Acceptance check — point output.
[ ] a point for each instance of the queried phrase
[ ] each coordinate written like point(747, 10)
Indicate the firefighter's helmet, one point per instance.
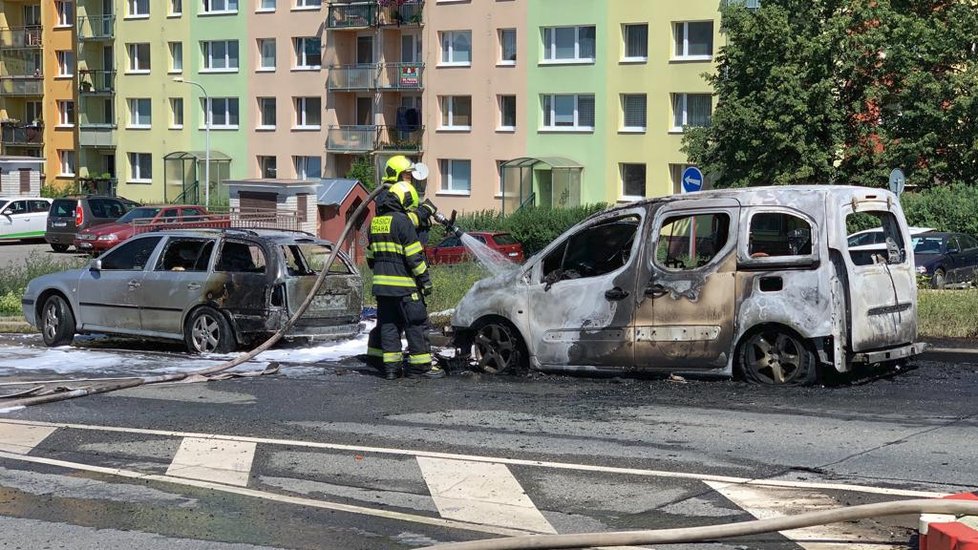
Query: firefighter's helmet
point(396, 166)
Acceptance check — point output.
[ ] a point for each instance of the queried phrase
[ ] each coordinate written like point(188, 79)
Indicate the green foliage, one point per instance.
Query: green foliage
point(363, 169)
point(14, 278)
point(833, 91)
point(10, 303)
point(451, 282)
point(947, 313)
point(55, 191)
point(943, 208)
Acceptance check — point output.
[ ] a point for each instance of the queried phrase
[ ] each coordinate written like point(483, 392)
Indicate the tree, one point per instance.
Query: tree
point(363, 169)
point(842, 91)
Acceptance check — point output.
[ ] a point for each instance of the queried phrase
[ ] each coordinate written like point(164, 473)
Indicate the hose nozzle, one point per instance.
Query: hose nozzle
point(449, 223)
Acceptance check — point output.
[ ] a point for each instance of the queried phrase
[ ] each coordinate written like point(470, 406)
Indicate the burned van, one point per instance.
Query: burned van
point(757, 281)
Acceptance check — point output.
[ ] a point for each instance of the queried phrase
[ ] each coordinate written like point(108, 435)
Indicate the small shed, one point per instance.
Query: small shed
point(21, 176)
point(338, 199)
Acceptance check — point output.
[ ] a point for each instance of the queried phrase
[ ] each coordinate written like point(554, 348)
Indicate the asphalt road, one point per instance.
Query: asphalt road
point(14, 252)
point(326, 455)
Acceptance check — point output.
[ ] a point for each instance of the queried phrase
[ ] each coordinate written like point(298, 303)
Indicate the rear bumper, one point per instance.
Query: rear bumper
point(325, 332)
point(59, 238)
point(889, 354)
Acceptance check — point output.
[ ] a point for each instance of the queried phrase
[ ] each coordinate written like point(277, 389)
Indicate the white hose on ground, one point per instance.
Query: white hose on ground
point(230, 364)
point(715, 532)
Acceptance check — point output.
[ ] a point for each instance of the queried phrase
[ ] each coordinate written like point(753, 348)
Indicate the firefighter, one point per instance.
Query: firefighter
point(401, 279)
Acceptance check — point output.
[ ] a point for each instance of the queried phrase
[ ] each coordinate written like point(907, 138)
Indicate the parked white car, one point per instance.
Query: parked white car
point(23, 217)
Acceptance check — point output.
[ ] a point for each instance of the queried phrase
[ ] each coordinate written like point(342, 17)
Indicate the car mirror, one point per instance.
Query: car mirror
point(95, 265)
point(8, 212)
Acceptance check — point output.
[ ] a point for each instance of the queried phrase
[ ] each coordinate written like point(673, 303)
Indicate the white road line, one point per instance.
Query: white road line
point(769, 502)
point(22, 438)
point(244, 491)
point(509, 461)
point(479, 492)
point(223, 461)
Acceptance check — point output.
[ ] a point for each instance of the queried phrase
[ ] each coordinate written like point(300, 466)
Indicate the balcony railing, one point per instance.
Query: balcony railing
point(22, 135)
point(357, 15)
point(393, 138)
point(20, 37)
point(96, 82)
point(91, 134)
point(22, 85)
point(401, 76)
point(351, 139)
point(96, 27)
point(408, 15)
point(352, 77)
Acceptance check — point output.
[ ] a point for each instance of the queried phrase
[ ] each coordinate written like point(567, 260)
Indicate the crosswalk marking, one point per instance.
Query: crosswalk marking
point(22, 438)
point(219, 460)
point(768, 502)
point(480, 492)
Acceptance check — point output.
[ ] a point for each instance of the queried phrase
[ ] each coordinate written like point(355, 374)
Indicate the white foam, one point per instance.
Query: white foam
point(11, 409)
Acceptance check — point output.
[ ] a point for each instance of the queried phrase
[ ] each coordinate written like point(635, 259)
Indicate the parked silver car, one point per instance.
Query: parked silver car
point(214, 289)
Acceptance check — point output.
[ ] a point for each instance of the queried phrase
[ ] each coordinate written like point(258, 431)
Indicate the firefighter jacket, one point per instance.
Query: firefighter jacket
point(395, 254)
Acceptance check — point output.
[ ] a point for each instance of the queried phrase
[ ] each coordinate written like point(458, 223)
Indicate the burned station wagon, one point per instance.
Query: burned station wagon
point(756, 281)
point(214, 289)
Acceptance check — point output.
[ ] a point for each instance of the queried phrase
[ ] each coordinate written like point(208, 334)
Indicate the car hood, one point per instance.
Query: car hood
point(489, 296)
point(106, 228)
point(50, 280)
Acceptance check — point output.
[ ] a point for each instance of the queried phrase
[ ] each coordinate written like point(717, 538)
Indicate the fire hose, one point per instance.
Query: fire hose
point(714, 532)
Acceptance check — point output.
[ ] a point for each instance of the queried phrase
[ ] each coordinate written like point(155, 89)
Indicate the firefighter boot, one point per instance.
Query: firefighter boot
point(431, 372)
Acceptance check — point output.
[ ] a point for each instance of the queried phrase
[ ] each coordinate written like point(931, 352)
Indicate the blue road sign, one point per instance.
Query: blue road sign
point(692, 180)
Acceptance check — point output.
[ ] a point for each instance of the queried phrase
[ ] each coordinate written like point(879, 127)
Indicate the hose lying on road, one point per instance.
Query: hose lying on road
point(240, 359)
point(714, 532)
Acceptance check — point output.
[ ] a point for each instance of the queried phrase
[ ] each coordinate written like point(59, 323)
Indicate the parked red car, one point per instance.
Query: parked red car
point(451, 251)
point(141, 219)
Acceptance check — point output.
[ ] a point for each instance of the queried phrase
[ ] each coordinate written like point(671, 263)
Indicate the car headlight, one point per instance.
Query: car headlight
point(109, 237)
point(922, 270)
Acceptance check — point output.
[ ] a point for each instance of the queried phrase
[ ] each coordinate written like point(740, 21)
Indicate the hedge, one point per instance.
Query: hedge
point(953, 208)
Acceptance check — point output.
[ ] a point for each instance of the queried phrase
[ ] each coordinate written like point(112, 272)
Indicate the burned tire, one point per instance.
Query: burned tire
point(59, 247)
point(498, 348)
point(776, 356)
point(939, 280)
point(208, 331)
point(57, 322)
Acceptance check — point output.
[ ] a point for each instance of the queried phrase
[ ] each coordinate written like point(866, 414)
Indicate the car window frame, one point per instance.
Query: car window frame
point(150, 260)
point(157, 268)
point(802, 261)
point(265, 255)
point(536, 273)
point(666, 214)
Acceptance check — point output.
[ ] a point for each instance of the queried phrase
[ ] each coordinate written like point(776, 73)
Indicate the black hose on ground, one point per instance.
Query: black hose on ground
point(240, 359)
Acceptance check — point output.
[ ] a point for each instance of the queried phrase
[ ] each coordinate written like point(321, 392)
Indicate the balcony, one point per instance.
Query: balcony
point(22, 85)
point(20, 37)
point(359, 15)
point(96, 27)
point(401, 76)
point(408, 15)
point(96, 82)
point(405, 140)
point(351, 139)
point(351, 77)
point(92, 134)
point(22, 136)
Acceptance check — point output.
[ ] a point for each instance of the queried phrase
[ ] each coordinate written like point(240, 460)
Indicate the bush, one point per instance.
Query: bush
point(451, 282)
point(14, 279)
point(944, 208)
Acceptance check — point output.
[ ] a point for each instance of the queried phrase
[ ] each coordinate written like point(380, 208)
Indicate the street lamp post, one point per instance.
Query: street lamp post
point(207, 139)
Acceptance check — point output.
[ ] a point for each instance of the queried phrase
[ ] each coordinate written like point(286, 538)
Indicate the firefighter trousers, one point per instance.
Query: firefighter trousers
point(407, 315)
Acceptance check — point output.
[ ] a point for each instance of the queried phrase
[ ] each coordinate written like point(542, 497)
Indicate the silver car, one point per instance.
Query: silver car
point(213, 289)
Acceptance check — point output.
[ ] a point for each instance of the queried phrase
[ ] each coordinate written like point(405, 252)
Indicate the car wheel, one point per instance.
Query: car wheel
point(498, 348)
point(59, 247)
point(939, 279)
point(57, 322)
point(208, 331)
point(775, 356)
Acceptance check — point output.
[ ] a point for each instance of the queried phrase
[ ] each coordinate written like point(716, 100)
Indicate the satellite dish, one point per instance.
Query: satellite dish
point(419, 171)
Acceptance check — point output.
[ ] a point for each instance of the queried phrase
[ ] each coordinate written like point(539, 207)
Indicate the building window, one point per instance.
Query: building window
point(220, 55)
point(140, 167)
point(267, 167)
point(694, 40)
point(66, 113)
point(66, 63)
point(633, 108)
point(266, 113)
point(220, 6)
point(176, 112)
point(568, 44)
point(307, 115)
point(138, 8)
point(67, 159)
point(308, 168)
point(176, 57)
point(456, 48)
point(507, 112)
point(266, 54)
point(66, 14)
point(138, 58)
point(456, 176)
point(568, 112)
point(507, 46)
point(266, 5)
point(632, 181)
point(308, 4)
point(223, 112)
point(636, 38)
point(176, 7)
point(456, 112)
point(140, 113)
point(691, 110)
point(308, 53)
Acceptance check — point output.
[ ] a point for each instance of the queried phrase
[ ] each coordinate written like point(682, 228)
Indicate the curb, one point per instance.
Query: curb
point(948, 532)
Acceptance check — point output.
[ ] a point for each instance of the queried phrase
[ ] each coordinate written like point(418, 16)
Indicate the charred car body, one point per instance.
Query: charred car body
point(758, 281)
point(214, 289)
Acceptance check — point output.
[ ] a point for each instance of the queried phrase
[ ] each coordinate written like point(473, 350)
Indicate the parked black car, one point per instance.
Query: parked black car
point(69, 215)
point(947, 258)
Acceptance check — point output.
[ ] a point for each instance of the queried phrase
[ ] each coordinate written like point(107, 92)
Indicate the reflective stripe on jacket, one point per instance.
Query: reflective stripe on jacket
point(396, 256)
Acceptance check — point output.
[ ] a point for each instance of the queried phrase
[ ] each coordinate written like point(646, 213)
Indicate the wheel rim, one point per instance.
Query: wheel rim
point(205, 333)
point(774, 358)
point(495, 349)
point(939, 279)
point(52, 319)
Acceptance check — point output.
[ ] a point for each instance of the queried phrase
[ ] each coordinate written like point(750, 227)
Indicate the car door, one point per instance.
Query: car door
point(39, 215)
point(685, 317)
point(580, 297)
point(953, 260)
point(108, 296)
point(969, 253)
point(177, 282)
point(242, 282)
point(17, 221)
